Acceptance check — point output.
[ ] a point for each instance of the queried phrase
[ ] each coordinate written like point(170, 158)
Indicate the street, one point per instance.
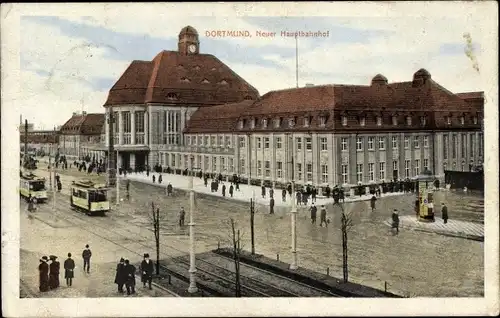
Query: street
point(412, 263)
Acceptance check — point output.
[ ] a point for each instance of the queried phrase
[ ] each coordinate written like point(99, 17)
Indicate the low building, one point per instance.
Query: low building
point(81, 135)
point(45, 141)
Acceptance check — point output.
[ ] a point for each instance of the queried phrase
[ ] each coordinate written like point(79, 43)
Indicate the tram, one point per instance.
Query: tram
point(33, 185)
point(89, 197)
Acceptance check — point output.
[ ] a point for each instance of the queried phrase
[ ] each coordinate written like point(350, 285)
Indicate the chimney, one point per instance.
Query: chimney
point(84, 113)
point(309, 85)
point(74, 114)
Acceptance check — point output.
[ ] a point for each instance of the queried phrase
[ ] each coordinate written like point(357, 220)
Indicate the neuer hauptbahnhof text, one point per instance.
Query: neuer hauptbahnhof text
point(265, 34)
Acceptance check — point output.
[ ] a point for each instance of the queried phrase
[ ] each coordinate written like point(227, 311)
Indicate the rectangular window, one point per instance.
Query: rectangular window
point(266, 142)
point(370, 143)
point(259, 143)
point(395, 167)
point(394, 142)
point(299, 171)
point(205, 141)
point(481, 145)
point(407, 142)
point(324, 173)
point(279, 143)
point(381, 143)
point(362, 121)
point(426, 164)
point(472, 145)
point(212, 141)
point(308, 143)
point(371, 172)
point(343, 143)
point(223, 164)
point(323, 143)
point(345, 179)
point(359, 143)
point(464, 145)
point(309, 168)
point(416, 142)
point(381, 171)
point(242, 142)
point(344, 120)
point(139, 122)
point(188, 140)
point(322, 121)
point(454, 146)
point(299, 143)
point(279, 169)
point(407, 168)
point(426, 141)
point(242, 166)
point(259, 168)
point(417, 167)
point(173, 161)
point(214, 164)
point(359, 172)
point(445, 146)
point(267, 166)
point(408, 120)
point(228, 141)
point(231, 165)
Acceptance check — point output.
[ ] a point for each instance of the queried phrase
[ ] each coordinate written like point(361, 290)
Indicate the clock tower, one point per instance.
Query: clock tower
point(189, 42)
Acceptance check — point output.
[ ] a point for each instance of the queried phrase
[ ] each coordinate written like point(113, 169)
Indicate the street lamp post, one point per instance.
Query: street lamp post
point(192, 256)
point(293, 213)
point(117, 181)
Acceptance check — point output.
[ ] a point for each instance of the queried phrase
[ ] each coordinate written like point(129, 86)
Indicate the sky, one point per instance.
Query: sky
point(69, 59)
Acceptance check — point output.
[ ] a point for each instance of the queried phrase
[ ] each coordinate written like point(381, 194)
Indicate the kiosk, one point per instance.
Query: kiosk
point(425, 205)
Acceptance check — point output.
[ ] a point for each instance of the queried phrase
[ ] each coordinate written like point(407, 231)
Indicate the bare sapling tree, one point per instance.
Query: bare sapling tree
point(346, 225)
point(156, 219)
point(237, 248)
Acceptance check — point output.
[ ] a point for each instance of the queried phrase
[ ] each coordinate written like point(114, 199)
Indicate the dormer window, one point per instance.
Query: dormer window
point(252, 123)
point(408, 120)
point(474, 120)
point(291, 122)
point(205, 81)
point(277, 122)
point(362, 121)
point(394, 120)
point(462, 120)
point(185, 80)
point(223, 82)
point(264, 123)
point(171, 96)
point(379, 121)
point(196, 68)
point(241, 124)
point(322, 121)
point(423, 121)
point(214, 69)
point(306, 122)
point(448, 120)
point(344, 120)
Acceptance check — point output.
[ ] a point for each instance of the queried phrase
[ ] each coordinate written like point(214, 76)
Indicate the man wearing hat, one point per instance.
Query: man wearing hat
point(54, 268)
point(395, 220)
point(69, 267)
point(130, 277)
point(86, 255)
point(147, 269)
point(120, 276)
point(43, 269)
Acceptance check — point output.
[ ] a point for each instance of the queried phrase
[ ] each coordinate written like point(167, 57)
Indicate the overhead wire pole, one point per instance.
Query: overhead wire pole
point(117, 182)
point(192, 253)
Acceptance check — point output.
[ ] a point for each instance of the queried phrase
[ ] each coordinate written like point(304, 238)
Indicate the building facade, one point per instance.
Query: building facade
point(45, 141)
point(80, 136)
point(153, 100)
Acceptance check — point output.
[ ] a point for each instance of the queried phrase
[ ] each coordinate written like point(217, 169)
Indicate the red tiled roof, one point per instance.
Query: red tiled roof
point(470, 95)
point(41, 136)
point(223, 117)
point(200, 79)
point(84, 124)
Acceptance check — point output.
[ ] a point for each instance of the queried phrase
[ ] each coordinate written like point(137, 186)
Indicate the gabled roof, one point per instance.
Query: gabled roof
point(200, 79)
point(84, 124)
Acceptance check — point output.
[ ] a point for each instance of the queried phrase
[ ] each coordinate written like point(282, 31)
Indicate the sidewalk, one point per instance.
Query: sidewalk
point(39, 238)
point(468, 230)
point(245, 194)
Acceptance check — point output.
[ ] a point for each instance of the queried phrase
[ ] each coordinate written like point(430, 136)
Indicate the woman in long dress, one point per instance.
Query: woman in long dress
point(43, 270)
point(54, 268)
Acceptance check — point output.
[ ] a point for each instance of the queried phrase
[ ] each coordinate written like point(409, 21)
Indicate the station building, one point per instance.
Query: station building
point(187, 110)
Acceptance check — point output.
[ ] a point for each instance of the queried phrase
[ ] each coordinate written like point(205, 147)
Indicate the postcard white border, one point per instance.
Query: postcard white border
point(82, 307)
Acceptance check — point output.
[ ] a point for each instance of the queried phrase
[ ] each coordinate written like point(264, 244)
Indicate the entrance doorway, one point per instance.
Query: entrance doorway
point(140, 161)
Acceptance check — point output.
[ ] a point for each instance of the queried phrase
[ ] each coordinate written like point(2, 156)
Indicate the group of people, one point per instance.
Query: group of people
point(125, 274)
point(323, 218)
point(49, 273)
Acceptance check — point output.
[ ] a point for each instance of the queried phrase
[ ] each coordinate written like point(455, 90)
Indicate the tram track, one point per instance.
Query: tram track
point(257, 288)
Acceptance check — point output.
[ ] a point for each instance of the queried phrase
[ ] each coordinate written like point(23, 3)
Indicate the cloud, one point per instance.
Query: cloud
point(66, 57)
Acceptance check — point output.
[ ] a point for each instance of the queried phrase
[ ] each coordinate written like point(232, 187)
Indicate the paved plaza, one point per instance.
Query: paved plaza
point(407, 262)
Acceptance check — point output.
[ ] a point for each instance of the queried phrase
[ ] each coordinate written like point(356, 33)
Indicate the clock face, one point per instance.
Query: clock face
point(192, 48)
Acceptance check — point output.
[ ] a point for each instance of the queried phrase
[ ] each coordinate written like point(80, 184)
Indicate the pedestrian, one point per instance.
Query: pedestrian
point(304, 198)
point(299, 198)
point(323, 216)
point(69, 267)
point(444, 213)
point(147, 269)
point(59, 186)
point(395, 221)
point(43, 270)
point(314, 192)
point(31, 204)
point(120, 275)
point(263, 191)
point(182, 215)
point(327, 191)
point(130, 277)
point(417, 207)
point(313, 210)
point(372, 202)
point(54, 270)
point(205, 180)
point(289, 188)
point(271, 193)
point(154, 178)
point(231, 190)
point(223, 190)
point(271, 206)
point(283, 195)
point(160, 178)
point(86, 255)
point(169, 189)
point(238, 184)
